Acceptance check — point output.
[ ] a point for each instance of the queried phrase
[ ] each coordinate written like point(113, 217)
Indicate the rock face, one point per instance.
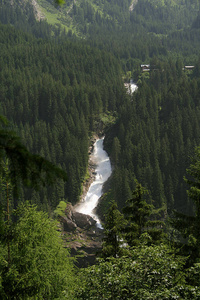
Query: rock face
point(34, 3)
point(83, 221)
point(133, 4)
point(68, 225)
point(82, 236)
point(37, 11)
point(73, 220)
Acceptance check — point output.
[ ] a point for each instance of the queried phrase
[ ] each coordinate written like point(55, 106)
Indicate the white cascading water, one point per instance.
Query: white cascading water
point(131, 87)
point(103, 172)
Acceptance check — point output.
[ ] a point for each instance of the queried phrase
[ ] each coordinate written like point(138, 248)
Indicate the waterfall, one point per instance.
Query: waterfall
point(131, 87)
point(103, 172)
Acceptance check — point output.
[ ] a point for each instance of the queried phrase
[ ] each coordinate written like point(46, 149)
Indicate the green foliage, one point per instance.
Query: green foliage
point(145, 127)
point(193, 274)
point(140, 219)
point(60, 2)
point(108, 119)
point(56, 92)
point(157, 132)
point(65, 88)
point(189, 225)
point(40, 267)
point(23, 167)
point(60, 209)
point(136, 212)
point(148, 273)
point(113, 240)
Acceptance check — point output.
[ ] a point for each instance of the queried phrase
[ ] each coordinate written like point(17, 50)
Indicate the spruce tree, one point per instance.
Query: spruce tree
point(141, 217)
point(189, 225)
point(113, 240)
point(38, 266)
point(29, 169)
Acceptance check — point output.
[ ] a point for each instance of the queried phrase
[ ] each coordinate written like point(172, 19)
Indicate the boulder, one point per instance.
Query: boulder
point(68, 225)
point(68, 211)
point(83, 221)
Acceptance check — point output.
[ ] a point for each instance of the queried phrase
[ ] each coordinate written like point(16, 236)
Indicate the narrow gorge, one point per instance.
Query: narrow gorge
point(103, 171)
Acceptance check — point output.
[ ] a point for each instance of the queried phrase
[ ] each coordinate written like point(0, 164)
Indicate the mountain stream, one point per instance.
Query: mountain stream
point(103, 171)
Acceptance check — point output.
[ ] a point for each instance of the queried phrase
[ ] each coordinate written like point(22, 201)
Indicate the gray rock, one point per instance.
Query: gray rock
point(83, 221)
point(68, 211)
point(68, 225)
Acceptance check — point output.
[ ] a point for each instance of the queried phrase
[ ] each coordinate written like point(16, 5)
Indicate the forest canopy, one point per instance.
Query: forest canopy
point(59, 85)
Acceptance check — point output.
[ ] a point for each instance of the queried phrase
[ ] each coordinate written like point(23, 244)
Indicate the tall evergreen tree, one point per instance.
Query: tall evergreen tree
point(189, 225)
point(38, 266)
point(141, 217)
point(30, 169)
point(113, 240)
point(136, 212)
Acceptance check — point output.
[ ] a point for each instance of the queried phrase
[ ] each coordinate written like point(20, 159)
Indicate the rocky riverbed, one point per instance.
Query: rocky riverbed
point(81, 235)
point(79, 231)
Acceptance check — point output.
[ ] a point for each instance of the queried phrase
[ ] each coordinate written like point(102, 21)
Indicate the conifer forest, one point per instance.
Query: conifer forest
point(64, 70)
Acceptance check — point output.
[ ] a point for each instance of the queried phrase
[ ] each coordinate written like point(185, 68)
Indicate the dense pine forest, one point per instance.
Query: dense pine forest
point(54, 94)
point(62, 82)
point(155, 136)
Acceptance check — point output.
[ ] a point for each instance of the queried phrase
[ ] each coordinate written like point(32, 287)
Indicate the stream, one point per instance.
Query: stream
point(103, 171)
point(131, 87)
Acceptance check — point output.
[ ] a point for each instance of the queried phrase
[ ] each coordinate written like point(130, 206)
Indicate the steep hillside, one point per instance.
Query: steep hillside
point(83, 77)
point(74, 15)
point(54, 94)
point(79, 15)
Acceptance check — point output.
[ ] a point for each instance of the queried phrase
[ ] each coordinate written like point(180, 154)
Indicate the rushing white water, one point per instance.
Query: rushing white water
point(103, 172)
point(131, 87)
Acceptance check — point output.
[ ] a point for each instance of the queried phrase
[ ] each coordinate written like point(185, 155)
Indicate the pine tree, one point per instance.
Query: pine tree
point(38, 265)
point(113, 240)
point(116, 148)
point(189, 225)
point(136, 212)
point(33, 262)
point(141, 217)
point(24, 167)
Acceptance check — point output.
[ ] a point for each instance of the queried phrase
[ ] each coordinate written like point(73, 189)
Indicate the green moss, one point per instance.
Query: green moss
point(108, 118)
point(60, 209)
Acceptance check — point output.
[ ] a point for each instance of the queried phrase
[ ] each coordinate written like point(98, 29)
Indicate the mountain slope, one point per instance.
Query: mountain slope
point(91, 17)
point(76, 14)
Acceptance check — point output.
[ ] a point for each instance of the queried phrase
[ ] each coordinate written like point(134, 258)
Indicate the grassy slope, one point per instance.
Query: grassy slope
point(63, 17)
point(60, 15)
point(55, 15)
